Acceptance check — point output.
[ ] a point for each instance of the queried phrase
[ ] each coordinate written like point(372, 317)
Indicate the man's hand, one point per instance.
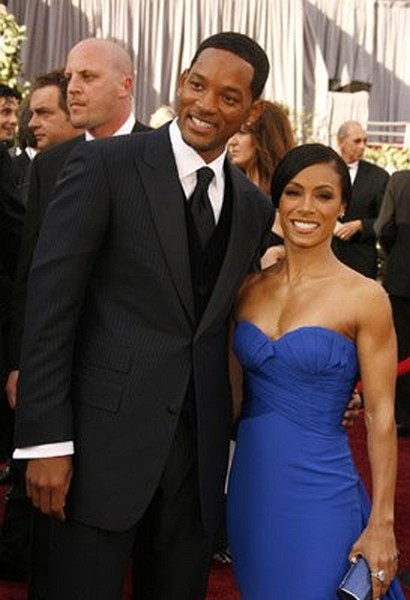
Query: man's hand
point(47, 483)
point(11, 388)
point(345, 231)
point(352, 410)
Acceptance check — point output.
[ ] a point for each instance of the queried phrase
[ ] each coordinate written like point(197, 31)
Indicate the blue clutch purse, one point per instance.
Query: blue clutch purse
point(357, 583)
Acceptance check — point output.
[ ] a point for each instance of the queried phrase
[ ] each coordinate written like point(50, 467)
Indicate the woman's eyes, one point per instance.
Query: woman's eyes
point(293, 193)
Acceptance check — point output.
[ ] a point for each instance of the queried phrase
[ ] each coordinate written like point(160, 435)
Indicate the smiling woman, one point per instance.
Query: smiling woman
point(303, 333)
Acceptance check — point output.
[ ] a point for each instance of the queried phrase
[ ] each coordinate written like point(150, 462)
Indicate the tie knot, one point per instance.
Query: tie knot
point(204, 177)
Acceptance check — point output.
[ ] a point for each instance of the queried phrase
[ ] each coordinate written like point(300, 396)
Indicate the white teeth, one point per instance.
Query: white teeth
point(305, 225)
point(199, 123)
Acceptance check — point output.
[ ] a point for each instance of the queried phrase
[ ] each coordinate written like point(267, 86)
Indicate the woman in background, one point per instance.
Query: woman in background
point(257, 150)
point(297, 510)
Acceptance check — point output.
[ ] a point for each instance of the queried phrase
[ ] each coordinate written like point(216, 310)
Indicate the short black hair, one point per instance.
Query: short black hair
point(58, 79)
point(7, 92)
point(245, 47)
point(304, 156)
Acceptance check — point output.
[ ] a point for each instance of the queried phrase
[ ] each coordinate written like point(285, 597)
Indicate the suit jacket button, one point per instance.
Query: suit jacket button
point(172, 409)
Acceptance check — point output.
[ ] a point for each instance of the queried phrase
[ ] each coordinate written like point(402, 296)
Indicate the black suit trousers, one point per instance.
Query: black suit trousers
point(171, 556)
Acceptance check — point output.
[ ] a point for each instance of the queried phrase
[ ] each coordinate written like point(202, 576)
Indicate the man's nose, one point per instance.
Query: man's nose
point(208, 101)
point(73, 84)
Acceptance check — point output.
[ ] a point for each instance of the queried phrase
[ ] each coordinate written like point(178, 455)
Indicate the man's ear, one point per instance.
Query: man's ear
point(255, 112)
point(181, 81)
point(127, 85)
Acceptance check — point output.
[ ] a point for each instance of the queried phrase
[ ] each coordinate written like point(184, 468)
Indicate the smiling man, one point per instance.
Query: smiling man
point(9, 106)
point(124, 381)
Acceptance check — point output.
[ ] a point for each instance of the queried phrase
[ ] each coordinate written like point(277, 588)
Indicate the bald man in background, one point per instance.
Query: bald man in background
point(99, 76)
point(354, 241)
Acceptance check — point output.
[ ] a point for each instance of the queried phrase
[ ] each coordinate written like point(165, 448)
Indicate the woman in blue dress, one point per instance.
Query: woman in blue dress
point(305, 328)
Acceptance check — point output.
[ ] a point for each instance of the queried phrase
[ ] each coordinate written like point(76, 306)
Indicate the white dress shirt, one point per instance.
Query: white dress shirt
point(188, 162)
point(353, 167)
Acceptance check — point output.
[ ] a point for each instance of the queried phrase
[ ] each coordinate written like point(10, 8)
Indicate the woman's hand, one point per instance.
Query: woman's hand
point(353, 409)
point(377, 545)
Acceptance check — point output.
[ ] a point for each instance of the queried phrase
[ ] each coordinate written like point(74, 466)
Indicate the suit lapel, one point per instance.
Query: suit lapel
point(243, 240)
point(360, 179)
point(166, 199)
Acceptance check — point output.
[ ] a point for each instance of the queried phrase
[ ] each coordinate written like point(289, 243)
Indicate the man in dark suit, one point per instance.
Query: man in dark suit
point(125, 364)
point(354, 241)
point(99, 101)
point(44, 122)
point(11, 225)
point(99, 79)
point(393, 229)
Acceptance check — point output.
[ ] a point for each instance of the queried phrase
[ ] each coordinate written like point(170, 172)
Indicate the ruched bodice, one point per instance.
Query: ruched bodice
point(295, 503)
point(315, 364)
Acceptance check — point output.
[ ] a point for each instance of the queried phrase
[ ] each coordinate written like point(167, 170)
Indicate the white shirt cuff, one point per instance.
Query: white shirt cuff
point(45, 450)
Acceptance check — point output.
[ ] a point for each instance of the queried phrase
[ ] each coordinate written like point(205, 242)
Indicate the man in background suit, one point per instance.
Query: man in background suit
point(44, 122)
point(11, 225)
point(98, 77)
point(354, 241)
point(125, 364)
point(393, 229)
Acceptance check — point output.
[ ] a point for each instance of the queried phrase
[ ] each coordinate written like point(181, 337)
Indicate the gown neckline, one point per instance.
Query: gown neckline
point(296, 331)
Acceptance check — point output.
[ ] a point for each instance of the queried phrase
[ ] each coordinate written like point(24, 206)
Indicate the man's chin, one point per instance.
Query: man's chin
point(197, 143)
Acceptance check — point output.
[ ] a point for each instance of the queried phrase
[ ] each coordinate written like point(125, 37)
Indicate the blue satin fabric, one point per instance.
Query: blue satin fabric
point(295, 501)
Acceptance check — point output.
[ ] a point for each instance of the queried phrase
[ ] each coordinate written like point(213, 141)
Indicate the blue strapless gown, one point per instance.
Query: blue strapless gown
point(295, 502)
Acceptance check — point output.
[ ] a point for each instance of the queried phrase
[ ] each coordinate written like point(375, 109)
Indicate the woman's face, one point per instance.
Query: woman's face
point(310, 204)
point(242, 149)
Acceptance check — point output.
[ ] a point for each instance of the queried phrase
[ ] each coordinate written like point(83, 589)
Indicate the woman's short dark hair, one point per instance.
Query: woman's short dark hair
point(245, 47)
point(304, 156)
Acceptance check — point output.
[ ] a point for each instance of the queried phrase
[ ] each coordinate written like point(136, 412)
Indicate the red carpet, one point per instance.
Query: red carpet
point(221, 584)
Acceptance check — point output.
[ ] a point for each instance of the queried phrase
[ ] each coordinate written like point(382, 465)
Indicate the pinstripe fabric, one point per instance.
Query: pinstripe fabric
point(110, 340)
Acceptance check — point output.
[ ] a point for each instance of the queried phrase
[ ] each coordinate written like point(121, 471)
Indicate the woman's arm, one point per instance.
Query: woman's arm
point(376, 343)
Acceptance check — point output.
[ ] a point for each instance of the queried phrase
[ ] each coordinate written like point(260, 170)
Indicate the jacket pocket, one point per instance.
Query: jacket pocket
point(104, 395)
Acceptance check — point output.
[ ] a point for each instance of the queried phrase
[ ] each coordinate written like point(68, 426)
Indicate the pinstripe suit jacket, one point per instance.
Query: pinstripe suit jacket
point(110, 340)
point(44, 173)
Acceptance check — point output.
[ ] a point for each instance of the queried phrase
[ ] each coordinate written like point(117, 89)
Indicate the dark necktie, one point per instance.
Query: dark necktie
point(200, 205)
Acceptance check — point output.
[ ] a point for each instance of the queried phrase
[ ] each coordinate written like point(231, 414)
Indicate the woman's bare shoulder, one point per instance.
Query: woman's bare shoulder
point(367, 296)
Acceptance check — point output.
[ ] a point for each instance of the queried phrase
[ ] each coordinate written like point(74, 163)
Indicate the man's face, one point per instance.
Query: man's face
point(215, 99)
point(352, 147)
point(8, 118)
point(48, 121)
point(94, 90)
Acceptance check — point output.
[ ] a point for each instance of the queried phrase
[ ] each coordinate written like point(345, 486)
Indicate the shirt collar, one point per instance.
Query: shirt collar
point(125, 128)
point(188, 160)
